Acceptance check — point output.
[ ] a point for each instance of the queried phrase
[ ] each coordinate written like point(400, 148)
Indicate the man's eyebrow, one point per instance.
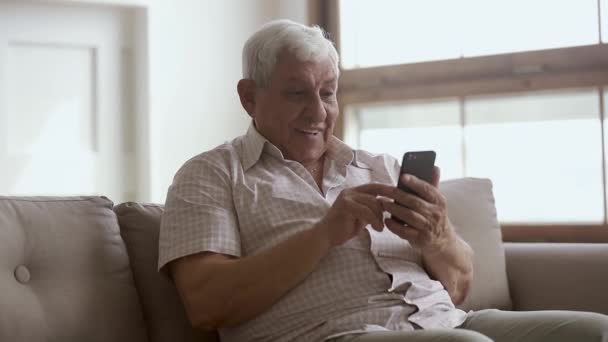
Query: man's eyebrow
point(332, 81)
point(295, 79)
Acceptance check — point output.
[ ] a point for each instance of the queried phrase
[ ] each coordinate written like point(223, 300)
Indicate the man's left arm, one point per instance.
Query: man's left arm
point(446, 256)
point(452, 265)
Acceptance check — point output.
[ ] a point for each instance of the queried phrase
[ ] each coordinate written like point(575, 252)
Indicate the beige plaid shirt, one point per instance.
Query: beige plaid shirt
point(243, 197)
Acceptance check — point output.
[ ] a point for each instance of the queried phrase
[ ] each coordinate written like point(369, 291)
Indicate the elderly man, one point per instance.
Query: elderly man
point(281, 234)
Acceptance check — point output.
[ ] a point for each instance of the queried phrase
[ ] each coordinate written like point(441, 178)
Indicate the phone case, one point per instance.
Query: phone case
point(419, 164)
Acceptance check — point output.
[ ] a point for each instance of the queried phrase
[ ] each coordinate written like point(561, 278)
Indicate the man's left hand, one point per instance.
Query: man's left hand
point(427, 226)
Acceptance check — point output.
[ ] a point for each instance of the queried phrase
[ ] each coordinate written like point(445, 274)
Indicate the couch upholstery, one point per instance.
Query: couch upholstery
point(161, 305)
point(65, 275)
point(472, 211)
point(546, 276)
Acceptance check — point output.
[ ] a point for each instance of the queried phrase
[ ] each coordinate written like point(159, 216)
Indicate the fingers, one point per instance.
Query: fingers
point(426, 191)
point(411, 201)
point(367, 208)
point(436, 176)
point(376, 189)
point(404, 232)
point(414, 219)
point(422, 188)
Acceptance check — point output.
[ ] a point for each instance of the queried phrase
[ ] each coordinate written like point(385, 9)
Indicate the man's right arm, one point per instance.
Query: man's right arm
point(220, 291)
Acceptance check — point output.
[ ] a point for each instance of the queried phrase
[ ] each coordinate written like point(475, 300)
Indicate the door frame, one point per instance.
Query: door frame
point(141, 92)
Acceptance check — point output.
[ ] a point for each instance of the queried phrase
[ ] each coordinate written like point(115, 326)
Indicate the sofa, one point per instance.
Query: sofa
point(84, 269)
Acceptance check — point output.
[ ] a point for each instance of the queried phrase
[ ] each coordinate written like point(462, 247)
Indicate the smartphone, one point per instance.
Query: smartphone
point(419, 164)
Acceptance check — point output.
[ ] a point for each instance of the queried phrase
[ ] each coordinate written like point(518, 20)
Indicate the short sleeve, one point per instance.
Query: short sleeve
point(199, 212)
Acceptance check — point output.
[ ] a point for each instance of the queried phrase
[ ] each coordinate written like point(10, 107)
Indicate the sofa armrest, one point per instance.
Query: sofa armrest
point(565, 276)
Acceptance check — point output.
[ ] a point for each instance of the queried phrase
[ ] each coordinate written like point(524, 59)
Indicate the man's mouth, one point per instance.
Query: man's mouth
point(311, 132)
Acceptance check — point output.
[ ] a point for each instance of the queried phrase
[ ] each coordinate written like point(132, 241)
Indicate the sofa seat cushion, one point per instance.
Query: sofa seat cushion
point(163, 309)
point(64, 272)
point(472, 211)
point(558, 276)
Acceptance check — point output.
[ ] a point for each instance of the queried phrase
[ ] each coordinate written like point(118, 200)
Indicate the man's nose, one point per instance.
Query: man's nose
point(316, 109)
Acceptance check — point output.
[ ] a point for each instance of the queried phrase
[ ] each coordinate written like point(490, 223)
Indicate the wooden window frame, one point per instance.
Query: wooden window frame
point(551, 69)
point(555, 233)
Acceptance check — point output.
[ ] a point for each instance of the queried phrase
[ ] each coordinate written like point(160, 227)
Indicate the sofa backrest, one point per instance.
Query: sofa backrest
point(64, 272)
point(163, 310)
point(472, 211)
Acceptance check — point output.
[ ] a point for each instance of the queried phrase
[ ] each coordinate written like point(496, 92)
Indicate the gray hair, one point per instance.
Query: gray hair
point(308, 44)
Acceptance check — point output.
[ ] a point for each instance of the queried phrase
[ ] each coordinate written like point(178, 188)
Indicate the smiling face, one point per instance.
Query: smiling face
point(297, 110)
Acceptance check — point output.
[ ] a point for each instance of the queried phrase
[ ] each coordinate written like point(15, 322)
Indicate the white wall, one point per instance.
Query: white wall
point(195, 63)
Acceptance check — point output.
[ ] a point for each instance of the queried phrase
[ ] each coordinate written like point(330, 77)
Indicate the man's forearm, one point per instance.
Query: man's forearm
point(243, 288)
point(452, 265)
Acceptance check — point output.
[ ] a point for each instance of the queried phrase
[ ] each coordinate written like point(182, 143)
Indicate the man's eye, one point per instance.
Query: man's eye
point(327, 94)
point(295, 92)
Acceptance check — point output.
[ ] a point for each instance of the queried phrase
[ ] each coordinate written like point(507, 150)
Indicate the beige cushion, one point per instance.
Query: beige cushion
point(64, 272)
point(163, 310)
point(472, 211)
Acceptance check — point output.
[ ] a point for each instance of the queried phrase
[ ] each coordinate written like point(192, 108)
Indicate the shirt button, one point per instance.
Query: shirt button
point(22, 274)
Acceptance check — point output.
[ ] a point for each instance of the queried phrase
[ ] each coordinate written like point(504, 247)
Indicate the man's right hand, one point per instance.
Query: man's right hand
point(352, 211)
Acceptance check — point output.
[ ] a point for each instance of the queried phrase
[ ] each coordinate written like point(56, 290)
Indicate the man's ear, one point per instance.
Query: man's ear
point(247, 89)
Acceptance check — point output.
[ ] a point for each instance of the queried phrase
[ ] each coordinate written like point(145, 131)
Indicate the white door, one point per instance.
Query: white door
point(66, 100)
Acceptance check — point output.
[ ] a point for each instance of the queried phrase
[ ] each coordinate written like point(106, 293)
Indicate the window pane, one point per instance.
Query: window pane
point(492, 27)
point(542, 152)
point(383, 32)
point(604, 17)
point(400, 127)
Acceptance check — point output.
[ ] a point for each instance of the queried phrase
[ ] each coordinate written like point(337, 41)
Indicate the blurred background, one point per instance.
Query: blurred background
point(500, 89)
point(111, 97)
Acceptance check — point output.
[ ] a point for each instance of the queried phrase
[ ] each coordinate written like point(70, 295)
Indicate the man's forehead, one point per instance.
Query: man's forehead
point(294, 69)
point(303, 77)
point(309, 71)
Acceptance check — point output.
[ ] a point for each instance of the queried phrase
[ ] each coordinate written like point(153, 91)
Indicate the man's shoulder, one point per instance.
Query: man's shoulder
point(223, 157)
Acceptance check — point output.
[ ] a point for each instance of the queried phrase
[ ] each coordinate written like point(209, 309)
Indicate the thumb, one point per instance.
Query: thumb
point(436, 176)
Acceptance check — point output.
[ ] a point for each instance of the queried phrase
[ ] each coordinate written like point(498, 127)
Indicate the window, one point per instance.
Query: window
point(508, 90)
point(415, 31)
point(543, 152)
point(546, 145)
point(401, 127)
point(604, 19)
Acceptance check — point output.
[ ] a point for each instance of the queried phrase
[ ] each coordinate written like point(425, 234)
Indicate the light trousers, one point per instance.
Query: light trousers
point(504, 326)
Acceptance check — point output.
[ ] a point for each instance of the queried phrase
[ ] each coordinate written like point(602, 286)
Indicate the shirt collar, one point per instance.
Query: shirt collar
point(344, 154)
point(341, 153)
point(255, 143)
